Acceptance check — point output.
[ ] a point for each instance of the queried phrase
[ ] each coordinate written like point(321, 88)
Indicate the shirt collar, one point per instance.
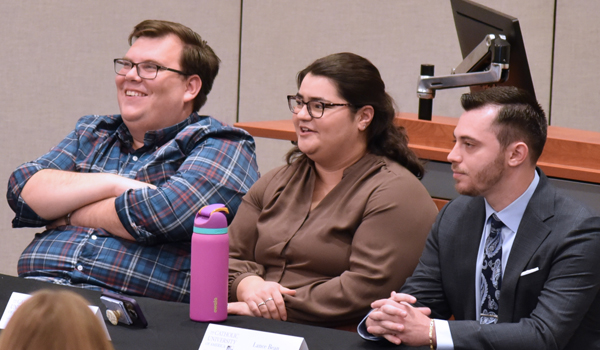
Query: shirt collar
point(158, 137)
point(365, 161)
point(511, 215)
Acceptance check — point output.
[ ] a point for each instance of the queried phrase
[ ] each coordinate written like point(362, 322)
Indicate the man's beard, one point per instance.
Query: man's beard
point(484, 179)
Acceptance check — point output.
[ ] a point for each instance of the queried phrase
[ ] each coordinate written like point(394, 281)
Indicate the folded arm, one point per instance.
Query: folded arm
point(215, 171)
point(100, 214)
point(52, 194)
point(44, 191)
point(157, 206)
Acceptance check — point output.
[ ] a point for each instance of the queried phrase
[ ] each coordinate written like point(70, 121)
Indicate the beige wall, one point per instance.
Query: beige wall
point(56, 62)
point(575, 88)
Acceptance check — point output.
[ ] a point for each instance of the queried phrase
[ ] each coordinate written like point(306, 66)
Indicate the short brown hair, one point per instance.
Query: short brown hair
point(54, 320)
point(197, 58)
point(520, 116)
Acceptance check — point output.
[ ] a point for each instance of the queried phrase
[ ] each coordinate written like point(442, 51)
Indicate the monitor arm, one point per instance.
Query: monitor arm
point(471, 71)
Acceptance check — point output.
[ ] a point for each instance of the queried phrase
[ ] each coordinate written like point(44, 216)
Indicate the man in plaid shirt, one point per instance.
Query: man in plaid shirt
point(119, 194)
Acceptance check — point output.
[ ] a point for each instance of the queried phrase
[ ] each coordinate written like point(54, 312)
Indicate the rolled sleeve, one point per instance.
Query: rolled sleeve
point(216, 171)
point(60, 157)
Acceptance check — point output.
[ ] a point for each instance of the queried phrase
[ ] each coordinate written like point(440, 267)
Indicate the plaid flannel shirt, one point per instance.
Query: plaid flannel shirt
point(194, 163)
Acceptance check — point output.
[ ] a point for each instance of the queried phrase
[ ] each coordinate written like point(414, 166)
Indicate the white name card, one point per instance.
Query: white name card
point(218, 337)
point(16, 299)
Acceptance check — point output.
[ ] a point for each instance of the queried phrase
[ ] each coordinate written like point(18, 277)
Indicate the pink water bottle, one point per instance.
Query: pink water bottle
point(210, 265)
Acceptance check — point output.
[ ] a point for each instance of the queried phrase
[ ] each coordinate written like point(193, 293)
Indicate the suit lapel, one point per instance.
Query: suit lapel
point(531, 233)
point(465, 259)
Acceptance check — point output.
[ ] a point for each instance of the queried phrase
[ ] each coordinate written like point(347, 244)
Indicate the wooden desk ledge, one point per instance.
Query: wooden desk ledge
point(271, 129)
point(569, 153)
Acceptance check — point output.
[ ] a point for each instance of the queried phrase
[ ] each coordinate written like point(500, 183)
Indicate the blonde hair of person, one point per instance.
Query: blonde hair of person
point(54, 320)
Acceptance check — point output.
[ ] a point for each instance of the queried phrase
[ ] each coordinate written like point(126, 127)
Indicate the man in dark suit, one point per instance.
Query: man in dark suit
point(515, 262)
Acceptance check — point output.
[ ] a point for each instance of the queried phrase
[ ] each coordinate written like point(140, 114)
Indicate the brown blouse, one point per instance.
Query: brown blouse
point(358, 244)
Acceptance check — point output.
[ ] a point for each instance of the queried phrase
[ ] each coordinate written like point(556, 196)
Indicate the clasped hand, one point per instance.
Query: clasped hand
point(260, 298)
point(396, 320)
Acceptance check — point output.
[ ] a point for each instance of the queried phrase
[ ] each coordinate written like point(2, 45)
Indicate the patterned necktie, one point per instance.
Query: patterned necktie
point(491, 273)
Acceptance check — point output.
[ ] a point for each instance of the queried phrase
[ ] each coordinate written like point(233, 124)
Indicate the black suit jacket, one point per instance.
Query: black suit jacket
point(555, 307)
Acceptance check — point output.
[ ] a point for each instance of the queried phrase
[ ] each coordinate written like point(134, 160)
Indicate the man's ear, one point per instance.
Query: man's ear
point(518, 153)
point(365, 117)
point(192, 88)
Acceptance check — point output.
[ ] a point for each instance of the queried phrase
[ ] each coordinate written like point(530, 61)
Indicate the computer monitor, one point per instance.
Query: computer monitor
point(474, 21)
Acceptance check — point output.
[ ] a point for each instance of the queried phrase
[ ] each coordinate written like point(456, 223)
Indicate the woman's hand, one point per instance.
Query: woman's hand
point(239, 308)
point(264, 299)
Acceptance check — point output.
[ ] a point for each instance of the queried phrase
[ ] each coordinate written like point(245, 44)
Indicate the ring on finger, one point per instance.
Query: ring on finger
point(261, 304)
point(269, 299)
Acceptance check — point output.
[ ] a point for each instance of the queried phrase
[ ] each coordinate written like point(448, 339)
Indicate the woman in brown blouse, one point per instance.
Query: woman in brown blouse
point(345, 221)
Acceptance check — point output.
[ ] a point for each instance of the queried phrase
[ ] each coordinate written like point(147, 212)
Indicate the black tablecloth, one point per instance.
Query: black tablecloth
point(170, 327)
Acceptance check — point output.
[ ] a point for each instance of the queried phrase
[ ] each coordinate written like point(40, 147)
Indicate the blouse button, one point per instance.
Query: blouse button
point(94, 237)
point(135, 158)
point(79, 268)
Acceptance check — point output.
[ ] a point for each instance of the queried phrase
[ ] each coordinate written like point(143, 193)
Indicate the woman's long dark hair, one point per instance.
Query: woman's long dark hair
point(358, 81)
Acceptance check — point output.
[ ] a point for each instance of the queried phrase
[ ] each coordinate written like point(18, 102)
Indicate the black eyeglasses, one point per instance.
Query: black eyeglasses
point(145, 70)
point(315, 108)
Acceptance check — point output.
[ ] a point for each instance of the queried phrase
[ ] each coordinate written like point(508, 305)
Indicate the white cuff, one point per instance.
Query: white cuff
point(443, 335)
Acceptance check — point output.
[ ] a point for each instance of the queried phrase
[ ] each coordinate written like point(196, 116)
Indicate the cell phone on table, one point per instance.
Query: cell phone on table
point(123, 309)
